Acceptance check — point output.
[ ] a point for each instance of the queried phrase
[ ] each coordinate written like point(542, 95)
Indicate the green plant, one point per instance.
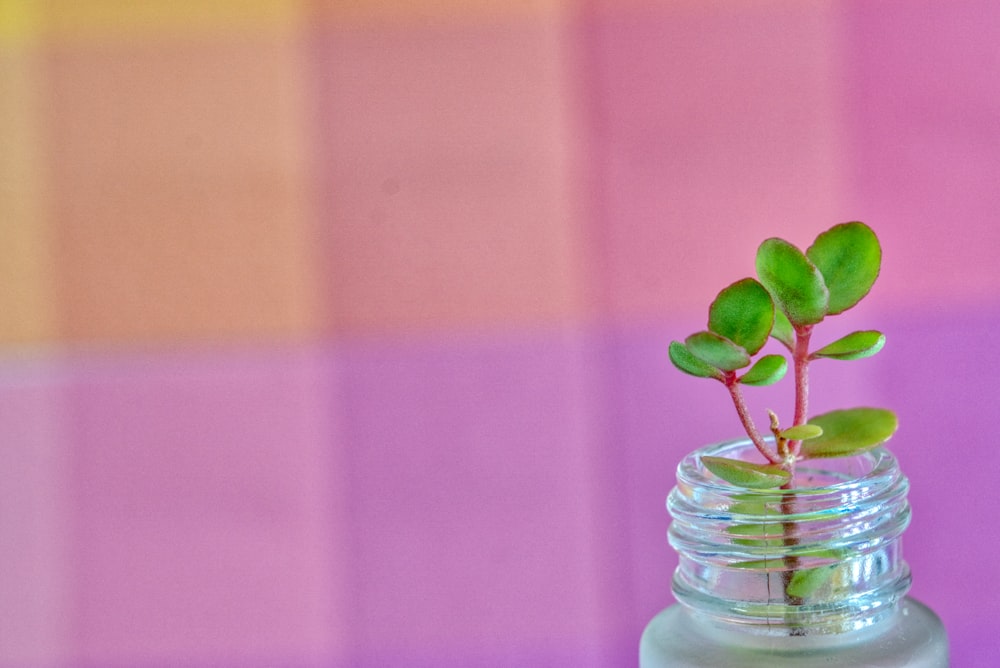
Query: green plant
point(796, 291)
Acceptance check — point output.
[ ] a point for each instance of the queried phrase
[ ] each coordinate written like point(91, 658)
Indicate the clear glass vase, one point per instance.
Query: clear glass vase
point(811, 576)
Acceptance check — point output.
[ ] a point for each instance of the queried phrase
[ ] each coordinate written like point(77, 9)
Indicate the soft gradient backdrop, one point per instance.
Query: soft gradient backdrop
point(334, 333)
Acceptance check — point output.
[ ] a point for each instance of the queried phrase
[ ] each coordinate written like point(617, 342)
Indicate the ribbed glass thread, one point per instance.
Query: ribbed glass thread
point(822, 558)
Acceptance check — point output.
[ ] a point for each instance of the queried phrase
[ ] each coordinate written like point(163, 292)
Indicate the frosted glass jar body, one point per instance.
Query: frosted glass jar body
point(912, 638)
point(812, 576)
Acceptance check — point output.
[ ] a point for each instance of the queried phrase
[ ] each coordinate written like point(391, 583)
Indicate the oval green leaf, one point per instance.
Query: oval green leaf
point(765, 371)
point(744, 314)
point(689, 364)
point(802, 432)
point(756, 503)
point(717, 351)
point(853, 346)
point(805, 581)
point(746, 474)
point(823, 553)
point(795, 283)
point(849, 257)
point(849, 431)
point(783, 330)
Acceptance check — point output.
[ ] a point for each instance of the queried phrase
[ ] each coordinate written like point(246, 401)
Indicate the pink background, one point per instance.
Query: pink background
point(334, 334)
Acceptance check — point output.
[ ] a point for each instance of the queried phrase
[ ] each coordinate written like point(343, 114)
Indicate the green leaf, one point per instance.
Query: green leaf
point(802, 432)
point(849, 257)
point(783, 330)
point(849, 431)
point(807, 580)
point(746, 474)
point(744, 314)
point(853, 346)
point(795, 283)
point(756, 503)
point(689, 364)
point(767, 370)
point(717, 351)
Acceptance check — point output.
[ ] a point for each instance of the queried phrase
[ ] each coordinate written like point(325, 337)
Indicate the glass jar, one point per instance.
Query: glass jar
point(810, 576)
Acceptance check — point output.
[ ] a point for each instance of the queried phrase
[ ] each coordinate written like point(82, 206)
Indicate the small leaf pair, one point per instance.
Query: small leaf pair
point(833, 275)
point(740, 320)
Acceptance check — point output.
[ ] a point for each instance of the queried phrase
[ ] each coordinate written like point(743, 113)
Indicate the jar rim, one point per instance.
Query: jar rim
point(871, 469)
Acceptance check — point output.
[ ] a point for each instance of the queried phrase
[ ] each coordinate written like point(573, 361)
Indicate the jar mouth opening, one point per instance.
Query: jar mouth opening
point(815, 479)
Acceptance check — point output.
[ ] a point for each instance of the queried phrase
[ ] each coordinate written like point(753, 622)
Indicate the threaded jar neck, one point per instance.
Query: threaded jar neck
point(824, 557)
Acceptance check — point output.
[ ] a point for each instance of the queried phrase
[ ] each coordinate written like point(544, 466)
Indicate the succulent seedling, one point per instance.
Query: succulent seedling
point(794, 292)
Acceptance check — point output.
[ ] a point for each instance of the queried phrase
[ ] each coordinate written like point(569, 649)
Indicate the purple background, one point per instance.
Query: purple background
point(439, 431)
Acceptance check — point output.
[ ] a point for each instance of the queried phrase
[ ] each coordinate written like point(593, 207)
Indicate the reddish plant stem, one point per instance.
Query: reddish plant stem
point(786, 458)
point(791, 563)
point(748, 425)
point(800, 361)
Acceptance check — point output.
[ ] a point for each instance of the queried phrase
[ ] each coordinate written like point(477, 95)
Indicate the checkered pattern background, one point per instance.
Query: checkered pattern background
point(334, 333)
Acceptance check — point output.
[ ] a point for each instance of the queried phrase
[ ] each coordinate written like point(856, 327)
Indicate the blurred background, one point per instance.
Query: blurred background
point(334, 333)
